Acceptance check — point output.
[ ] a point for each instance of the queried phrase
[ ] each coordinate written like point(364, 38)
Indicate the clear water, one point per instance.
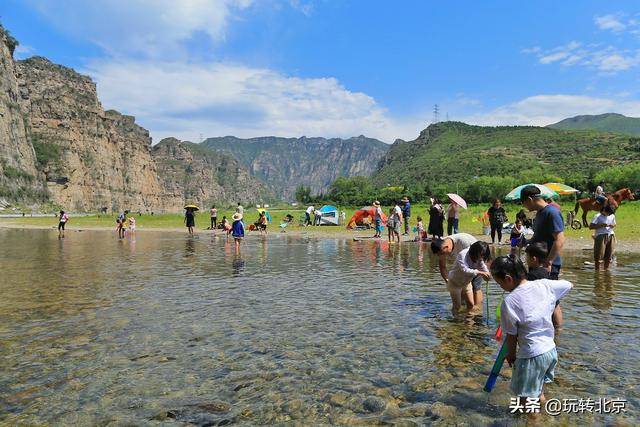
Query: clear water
point(166, 328)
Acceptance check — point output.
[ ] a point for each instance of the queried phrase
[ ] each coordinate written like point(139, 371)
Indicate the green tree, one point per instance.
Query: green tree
point(353, 191)
point(618, 177)
point(303, 194)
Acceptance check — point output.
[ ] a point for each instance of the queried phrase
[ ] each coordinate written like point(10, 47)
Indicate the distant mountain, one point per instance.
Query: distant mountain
point(286, 163)
point(609, 122)
point(195, 174)
point(448, 154)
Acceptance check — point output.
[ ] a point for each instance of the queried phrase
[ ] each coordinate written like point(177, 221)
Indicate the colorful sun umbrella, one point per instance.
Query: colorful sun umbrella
point(459, 200)
point(545, 192)
point(561, 189)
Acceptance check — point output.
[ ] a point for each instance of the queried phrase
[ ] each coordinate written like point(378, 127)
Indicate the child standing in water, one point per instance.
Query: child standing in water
point(604, 244)
point(237, 229)
point(526, 320)
point(377, 219)
point(226, 226)
point(393, 225)
point(470, 262)
point(62, 221)
point(517, 233)
point(132, 225)
point(420, 230)
point(536, 254)
point(190, 220)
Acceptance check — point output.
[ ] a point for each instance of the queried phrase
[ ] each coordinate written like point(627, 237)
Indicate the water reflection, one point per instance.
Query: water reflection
point(323, 331)
point(603, 290)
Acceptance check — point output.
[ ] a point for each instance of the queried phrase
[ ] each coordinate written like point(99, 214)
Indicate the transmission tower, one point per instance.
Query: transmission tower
point(436, 113)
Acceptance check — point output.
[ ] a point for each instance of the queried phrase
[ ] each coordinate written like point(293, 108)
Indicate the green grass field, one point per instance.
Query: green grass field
point(628, 218)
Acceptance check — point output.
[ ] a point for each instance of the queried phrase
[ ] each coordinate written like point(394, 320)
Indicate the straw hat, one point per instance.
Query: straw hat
point(236, 216)
point(376, 203)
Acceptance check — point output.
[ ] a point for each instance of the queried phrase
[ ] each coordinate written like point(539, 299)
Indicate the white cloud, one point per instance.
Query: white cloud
point(612, 60)
point(213, 99)
point(605, 59)
point(149, 72)
point(610, 22)
point(541, 110)
point(141, 27)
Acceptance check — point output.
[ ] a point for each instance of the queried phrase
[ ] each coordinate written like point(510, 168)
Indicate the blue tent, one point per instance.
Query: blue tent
point(329, 215)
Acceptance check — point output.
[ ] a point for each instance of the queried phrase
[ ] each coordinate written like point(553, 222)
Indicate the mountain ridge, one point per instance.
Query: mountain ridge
point(450, 153)
point(284, 163)
point(607, 122)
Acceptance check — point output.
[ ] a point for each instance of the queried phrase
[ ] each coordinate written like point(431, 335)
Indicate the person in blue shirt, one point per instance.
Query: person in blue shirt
point(237, 229)
point(548, 227)
point(406, 213)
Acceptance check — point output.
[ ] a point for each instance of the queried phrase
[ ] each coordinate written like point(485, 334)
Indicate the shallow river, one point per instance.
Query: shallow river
point(166, 328)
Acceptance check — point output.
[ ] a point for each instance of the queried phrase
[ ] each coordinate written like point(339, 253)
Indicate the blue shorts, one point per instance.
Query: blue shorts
point(477, 282)
point(529, 375)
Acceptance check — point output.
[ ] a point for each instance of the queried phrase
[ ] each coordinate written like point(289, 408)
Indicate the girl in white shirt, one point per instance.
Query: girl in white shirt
point(525, 318)
point(604, 243)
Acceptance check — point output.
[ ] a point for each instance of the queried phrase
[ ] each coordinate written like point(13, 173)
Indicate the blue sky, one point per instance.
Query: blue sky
point(340, 68)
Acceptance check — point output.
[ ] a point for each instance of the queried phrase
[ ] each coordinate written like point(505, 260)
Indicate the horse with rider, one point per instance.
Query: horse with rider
point(601, 199)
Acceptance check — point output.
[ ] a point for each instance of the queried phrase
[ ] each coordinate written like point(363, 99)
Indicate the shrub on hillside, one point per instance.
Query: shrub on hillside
point(621, 176)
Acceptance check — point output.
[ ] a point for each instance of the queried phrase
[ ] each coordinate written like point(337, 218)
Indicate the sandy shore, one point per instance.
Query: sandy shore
point(320, 233)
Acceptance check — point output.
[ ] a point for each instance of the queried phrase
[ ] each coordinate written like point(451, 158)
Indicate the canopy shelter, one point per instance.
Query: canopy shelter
point(545, 192)
point(329, 215)
point(361, 216)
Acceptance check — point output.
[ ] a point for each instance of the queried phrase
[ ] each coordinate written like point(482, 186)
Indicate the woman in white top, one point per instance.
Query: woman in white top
point(604, 244)
point(470, 263)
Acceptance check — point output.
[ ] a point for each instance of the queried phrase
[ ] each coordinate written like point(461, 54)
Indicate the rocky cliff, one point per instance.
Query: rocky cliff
point(19, 177)
point(286, 163)
point(198, 175)
point(90, 158)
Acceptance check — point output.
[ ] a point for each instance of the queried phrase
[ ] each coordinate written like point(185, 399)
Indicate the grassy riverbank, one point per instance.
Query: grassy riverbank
point(628, 218)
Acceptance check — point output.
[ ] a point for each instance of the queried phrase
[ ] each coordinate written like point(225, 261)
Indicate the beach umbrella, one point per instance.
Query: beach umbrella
point(192, 207)
point(545, 192)
point(459, 200)
point(561, 189)
point(266, 212)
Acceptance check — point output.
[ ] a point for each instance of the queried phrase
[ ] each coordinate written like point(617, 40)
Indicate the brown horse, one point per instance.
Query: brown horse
point(613, 199)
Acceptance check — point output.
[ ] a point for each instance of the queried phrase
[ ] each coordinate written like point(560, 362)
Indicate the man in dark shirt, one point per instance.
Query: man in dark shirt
point(406, 213)
point(548, 227)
